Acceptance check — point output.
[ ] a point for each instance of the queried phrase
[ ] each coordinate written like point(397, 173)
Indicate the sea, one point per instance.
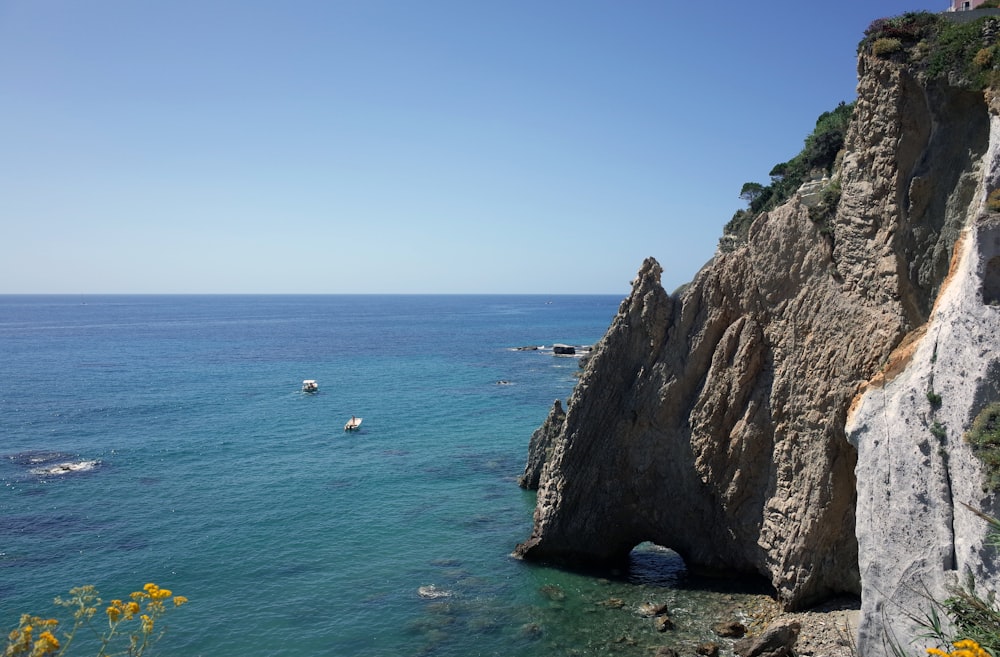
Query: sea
point(167, 439)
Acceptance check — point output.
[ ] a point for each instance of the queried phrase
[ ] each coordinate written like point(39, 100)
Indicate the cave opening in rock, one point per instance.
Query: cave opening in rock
point(650, 564)
point(655, 565)
point(991, 282)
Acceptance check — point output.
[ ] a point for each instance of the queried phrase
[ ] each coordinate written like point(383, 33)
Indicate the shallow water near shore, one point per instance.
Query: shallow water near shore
point(166, 439)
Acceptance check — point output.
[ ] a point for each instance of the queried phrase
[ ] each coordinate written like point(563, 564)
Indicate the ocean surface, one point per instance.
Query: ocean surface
point(166, 439)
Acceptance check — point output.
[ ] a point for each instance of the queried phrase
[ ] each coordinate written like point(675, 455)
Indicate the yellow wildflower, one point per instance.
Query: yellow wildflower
point(963, 648)
point(33, 638)
point(45, 644)
point(969, 648)
point(20, 639)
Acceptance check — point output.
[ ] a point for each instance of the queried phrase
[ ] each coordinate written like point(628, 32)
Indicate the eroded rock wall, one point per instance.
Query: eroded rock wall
point(714, 422)
point(918, 481)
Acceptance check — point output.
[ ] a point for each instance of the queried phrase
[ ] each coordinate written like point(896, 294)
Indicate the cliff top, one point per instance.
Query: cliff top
point(964, 53)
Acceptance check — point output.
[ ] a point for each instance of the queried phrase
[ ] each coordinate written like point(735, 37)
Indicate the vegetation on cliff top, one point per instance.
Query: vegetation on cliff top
point(936, 46)
point(965, 53)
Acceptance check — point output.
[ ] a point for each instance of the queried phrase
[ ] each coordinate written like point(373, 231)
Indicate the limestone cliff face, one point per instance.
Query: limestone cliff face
point(918, 481)
point(713, 422)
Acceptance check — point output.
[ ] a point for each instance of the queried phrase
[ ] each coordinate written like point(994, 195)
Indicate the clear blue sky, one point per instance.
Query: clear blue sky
point(368, 146)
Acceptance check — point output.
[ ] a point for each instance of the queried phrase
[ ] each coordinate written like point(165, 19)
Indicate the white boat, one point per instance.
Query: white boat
point(310, 385)
point(352, 424)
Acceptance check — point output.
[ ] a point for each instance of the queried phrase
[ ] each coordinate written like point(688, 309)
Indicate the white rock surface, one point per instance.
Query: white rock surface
point(915, 472)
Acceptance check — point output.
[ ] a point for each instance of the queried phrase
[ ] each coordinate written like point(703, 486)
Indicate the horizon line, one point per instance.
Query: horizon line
point(306, 294)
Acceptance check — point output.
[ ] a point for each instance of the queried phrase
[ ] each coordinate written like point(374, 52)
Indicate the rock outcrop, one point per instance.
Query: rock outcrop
point(715, 422)
point(540, 446)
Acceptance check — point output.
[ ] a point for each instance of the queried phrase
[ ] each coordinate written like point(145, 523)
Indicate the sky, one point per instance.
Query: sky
point(397, 146)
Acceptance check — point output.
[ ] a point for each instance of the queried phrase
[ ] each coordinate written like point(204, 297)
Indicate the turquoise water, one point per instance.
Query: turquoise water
point(166, 439)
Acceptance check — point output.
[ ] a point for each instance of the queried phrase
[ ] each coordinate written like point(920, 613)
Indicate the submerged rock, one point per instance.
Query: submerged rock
point(730, 629)
point(553, 592)
point(650, 609)
point(663, 623)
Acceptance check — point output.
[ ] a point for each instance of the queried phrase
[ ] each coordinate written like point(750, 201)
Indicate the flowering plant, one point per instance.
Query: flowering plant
point(965, 648)
point(131, 626)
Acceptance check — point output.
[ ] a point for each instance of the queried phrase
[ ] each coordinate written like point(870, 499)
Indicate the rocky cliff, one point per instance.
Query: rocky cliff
point(717, 421)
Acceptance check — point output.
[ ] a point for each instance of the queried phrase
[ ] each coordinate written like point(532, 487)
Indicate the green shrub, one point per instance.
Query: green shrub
point(974, 623)
point(984, 438)
point(737, 229)
point(886, 46)
point(975, 618)
point(827, 138)
point(955, 47)
point(824, 213)
point(818, 153)
point(934, 399)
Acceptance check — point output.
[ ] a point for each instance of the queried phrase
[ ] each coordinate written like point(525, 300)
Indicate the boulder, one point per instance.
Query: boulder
point(778, 640)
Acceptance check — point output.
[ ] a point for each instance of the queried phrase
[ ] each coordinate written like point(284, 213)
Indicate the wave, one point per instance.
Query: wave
point(65, 468)
point(431, 592)
point(53, 464)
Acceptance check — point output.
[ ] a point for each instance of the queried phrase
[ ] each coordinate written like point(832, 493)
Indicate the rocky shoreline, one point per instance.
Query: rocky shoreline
point(759, 628)
point(828, 630)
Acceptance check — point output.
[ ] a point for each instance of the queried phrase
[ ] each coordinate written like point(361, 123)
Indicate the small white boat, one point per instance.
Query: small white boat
point(310, 385)
point(352, 424)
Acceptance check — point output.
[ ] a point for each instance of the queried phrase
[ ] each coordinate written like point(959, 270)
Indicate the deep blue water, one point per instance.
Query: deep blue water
point(200, 465)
